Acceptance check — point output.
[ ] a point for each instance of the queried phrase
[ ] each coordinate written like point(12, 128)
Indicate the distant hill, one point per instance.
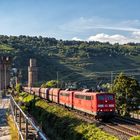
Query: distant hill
point(75, 61)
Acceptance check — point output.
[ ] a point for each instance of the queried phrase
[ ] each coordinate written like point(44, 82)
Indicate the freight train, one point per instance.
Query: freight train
point(99, 104)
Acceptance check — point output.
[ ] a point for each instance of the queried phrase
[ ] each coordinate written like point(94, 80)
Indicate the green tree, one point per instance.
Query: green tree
point(127, 91)
point(51, 84)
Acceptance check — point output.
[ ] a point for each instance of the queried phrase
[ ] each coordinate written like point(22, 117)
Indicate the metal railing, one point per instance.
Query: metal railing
point(25, 125)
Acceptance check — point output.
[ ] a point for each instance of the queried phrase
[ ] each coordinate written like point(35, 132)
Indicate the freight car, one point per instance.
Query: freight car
point(99, 104)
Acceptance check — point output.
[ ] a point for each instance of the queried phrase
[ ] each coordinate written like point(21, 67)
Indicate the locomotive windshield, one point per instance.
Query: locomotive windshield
point(101, 97)
point(105, 97)
point(109, 97)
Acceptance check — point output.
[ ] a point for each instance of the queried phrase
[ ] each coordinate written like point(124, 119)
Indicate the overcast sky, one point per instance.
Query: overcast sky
point(99, 20)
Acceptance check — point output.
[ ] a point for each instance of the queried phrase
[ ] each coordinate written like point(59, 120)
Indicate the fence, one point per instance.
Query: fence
point(27, 129)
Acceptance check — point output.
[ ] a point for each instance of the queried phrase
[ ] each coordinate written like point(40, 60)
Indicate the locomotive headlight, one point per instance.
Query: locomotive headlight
point(111, 105)
point(100, 105)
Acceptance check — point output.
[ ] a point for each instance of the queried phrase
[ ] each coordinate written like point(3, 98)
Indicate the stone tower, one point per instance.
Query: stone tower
point(32, 73)
point(5, 66)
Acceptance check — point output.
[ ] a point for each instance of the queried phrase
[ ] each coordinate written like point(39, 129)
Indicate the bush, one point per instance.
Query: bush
point(18, 88)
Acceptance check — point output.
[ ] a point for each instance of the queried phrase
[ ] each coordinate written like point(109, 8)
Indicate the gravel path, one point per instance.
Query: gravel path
point(4, 128)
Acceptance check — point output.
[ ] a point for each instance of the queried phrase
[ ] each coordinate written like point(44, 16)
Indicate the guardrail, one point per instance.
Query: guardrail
point(27, 130)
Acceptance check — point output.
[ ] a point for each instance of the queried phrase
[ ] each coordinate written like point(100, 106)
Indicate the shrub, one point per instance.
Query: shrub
point(18, 88)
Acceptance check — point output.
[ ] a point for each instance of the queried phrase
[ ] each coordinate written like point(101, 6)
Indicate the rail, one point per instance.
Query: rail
point(26, 128)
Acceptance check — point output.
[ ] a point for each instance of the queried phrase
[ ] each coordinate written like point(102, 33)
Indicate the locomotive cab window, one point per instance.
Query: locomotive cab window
point(80, 96)
point(109, 97)
point(64, 94)
point(88, 98)
point(100, 97)
point(83, 97)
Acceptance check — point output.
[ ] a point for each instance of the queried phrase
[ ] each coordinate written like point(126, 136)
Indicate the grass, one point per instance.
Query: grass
point(135, 138)
point(13, 129)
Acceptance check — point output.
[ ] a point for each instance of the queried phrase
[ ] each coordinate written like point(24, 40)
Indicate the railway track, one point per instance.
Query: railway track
point(124, 128)
point(120, 127)
point(133, 120)
point(128, 121)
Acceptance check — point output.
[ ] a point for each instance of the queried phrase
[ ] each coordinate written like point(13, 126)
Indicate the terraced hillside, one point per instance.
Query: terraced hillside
point(74, 61)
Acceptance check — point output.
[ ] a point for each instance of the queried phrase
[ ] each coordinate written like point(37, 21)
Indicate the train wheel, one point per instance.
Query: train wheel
point(96, 118)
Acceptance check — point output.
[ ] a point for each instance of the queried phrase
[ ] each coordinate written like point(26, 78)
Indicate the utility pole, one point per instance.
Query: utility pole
point(5, 77)
point(0, 76)
point(111, 78)
point(0, 85)
point(57, 78)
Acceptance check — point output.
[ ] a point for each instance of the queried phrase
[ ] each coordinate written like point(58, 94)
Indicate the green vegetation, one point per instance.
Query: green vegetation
point(135, 138)
point(18, 88)
point(4, 47)
point(75, 61)
point(13, 129)
point(52, 83)
point(127, 91)
point(61, 124)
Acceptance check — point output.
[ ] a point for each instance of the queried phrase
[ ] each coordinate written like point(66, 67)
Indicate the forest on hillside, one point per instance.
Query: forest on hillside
point(73, 60)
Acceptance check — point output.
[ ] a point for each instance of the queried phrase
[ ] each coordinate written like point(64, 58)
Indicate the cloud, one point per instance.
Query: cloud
point(116, 38)
point(76, 39)
point(136, 34)
point(82, 24)
point(109, 38)
point(129, 29)
point(85, 24)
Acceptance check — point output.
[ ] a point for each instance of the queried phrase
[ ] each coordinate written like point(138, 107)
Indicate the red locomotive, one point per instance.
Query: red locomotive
point(99, 104)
